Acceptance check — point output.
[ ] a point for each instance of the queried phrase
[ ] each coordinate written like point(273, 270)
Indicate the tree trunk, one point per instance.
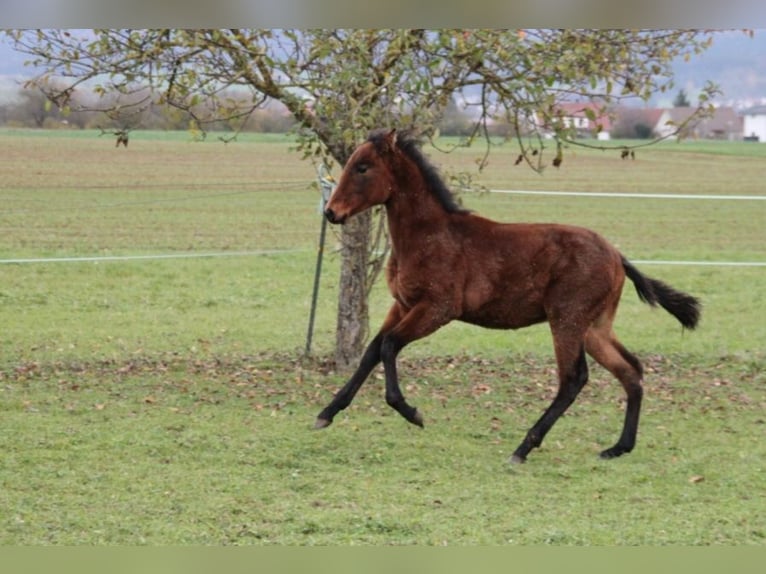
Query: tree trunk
point(353, 311)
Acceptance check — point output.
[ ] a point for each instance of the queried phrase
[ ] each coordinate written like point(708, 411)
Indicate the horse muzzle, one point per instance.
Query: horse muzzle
point(332, 217)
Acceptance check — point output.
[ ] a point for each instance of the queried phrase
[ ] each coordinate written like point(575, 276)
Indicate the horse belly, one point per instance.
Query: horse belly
point(497, 299)
point(504, 315)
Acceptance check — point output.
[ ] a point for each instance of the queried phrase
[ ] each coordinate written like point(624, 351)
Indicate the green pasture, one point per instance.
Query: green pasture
point(168, 401)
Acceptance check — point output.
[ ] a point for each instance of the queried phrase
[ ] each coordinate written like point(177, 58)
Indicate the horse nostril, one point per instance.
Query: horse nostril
point(330, 215)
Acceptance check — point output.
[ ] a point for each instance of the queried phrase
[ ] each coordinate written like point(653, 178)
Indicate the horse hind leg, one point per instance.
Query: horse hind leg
point(573, 375)
point(603, 346)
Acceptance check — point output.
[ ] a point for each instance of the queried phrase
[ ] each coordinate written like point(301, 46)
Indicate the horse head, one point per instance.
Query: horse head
point(367, 178)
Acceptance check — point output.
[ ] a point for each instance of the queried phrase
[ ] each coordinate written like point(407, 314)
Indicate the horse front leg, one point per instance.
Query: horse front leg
point(346, 394)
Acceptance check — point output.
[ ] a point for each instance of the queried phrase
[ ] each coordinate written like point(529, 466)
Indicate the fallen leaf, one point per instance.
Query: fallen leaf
point(696, 478)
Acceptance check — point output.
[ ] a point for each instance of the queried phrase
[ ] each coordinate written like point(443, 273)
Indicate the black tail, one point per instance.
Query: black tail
point(681, 305)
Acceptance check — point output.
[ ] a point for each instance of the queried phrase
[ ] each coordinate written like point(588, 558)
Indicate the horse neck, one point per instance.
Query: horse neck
point(412, 210)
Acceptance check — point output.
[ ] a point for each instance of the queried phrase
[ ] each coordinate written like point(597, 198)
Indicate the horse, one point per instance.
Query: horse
point(448, 263)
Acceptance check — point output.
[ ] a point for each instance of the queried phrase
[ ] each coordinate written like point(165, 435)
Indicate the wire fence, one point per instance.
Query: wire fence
point(295, 185)
point(633, 195)
point(243, 188)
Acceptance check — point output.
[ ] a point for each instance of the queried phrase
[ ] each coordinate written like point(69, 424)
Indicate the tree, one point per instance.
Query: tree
point(33, 109)
point(455, 122)
point(339, 84)
point(681, 100)
point(634, 123)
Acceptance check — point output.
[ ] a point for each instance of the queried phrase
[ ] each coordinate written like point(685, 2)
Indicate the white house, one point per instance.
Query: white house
point(754, 126)
point(587, 118)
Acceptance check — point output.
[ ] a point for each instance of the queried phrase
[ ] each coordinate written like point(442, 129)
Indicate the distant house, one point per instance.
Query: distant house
point(592, 120)
point(587, 118)
point(724, 124)
point(754, 123)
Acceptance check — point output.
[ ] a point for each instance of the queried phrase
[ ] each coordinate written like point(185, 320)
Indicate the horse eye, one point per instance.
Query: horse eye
point(362, 168)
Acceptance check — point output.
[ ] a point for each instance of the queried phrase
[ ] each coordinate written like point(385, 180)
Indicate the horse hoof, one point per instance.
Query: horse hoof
point(516, 459)
point(611, 453)
point(417, 419)
point(321, 423)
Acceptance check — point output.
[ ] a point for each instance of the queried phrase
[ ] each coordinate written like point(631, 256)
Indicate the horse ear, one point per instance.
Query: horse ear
point(391, 139)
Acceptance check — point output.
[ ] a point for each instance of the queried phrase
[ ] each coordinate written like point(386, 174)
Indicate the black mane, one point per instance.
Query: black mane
point(411, 147)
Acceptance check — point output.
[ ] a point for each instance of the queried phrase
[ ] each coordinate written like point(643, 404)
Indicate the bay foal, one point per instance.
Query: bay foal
point(448, 264)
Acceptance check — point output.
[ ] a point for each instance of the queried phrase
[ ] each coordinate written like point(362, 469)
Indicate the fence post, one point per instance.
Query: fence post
point(326, 186)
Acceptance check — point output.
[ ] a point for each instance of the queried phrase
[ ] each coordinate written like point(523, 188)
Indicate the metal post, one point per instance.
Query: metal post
point(326, 186)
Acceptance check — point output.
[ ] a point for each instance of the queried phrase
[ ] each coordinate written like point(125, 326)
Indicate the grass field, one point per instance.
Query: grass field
point(167, 401)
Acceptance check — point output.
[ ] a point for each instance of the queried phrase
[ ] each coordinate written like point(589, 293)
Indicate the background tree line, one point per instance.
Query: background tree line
point(29, 107)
